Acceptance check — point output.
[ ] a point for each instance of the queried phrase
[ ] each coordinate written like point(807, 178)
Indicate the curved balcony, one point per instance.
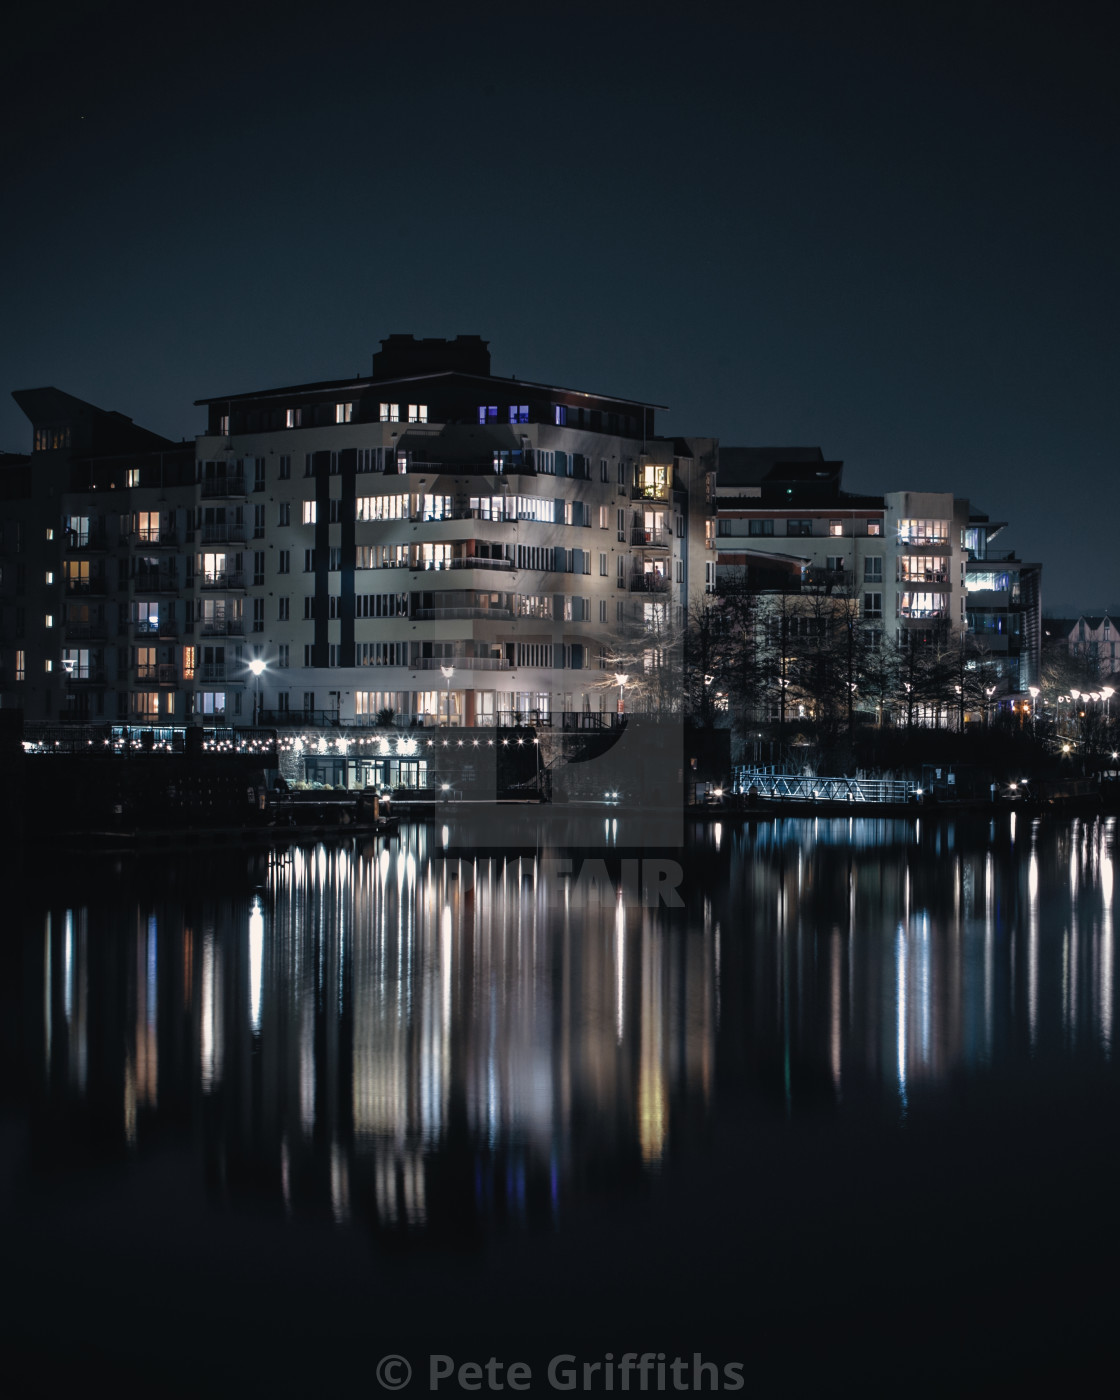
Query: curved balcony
point(461, 663)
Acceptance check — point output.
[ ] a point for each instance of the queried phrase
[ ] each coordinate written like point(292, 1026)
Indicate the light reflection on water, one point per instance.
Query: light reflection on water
point(396, 1032)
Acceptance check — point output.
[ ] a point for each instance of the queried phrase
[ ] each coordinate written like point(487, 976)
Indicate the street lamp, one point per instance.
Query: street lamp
point(620, 679)
point(1108, 692)
point(257, 668)
point(989, 691)
point(448, 672)
point(1033, 689)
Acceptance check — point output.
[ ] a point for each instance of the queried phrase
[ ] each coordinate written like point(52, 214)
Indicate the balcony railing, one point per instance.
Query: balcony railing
point(649, 493)
point(223, 534)
point(916, 614)
point(461, 663)
point(157, 536)
point(84, 675)
point(165, 627)
point(232, 484)
point(286, 719)
point(86, 587)
point(223, 581)
point(470, 561)
point(649, 583)
point(91, 539)
point(84, 631)
point(156, 583)
point(651, 539)
point(923, 576)
point(453, 614)
point(220, 626)
point(211, 671)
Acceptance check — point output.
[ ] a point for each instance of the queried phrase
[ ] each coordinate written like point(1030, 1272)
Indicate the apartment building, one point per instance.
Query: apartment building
point(915, 563)
point(430, 539)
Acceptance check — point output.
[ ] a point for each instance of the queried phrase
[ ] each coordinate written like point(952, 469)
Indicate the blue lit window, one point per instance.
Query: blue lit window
point(561, 415)
point(487, 413)
point(519, 413)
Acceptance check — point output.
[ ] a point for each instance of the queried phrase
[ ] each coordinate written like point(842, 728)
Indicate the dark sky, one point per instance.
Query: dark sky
point(890, 230)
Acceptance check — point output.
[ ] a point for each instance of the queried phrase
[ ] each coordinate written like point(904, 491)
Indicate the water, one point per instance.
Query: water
point(846, 1117)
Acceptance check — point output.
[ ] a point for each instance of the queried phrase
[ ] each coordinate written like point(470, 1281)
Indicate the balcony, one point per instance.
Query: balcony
point(161, 582)
point(161, 672)
point(153, 627)
point(224, 534)
point(650, 492)
point(157, 538)
point(223, 581)
point(923, 614)
point(89, 541)
point(297, 719)
point(470, 561)
point(86, 587)
point(924, 576)
point(469, 614)
point(649, 583)
point(84, 631)
point(212, 672)
point(651, 539)
point(220, 626)
point(84, 675)
point(462, 663)
point(216, 487)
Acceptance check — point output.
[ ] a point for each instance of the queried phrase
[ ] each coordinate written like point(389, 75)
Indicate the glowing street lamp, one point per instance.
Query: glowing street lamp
point(257, 667)
point(620, 679)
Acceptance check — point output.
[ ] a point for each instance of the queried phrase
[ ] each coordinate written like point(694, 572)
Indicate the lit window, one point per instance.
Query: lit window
point(48, 664)
point(835, 527)
point(134, 476)
point(874, 527)
point(49, 576)
point(223, 425)
point(343, 412)
point(390, 413)
point(487, 413)
point(48, 621)
point(293, 418)
point(561, 415)
point(50, 533)
point(21, 666)
point(519, 413)
point(188, 663)
point(309, 512)
point(418, 413)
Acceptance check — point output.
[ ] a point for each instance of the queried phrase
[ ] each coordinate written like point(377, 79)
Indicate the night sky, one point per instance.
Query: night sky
point(890, 230)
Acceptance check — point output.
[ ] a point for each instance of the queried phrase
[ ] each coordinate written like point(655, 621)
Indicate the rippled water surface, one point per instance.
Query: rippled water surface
point(847, 1116)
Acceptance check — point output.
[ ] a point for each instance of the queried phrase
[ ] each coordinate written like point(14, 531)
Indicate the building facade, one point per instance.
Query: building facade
point(429, 540)
point(912, 564)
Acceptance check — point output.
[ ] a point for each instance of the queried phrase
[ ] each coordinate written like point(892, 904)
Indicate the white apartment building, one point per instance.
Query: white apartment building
point(429, 539)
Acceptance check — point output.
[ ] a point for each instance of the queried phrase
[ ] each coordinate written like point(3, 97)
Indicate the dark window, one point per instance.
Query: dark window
point(760, 527)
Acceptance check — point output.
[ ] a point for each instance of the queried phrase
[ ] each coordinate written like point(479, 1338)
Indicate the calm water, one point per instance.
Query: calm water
point(847, 1117)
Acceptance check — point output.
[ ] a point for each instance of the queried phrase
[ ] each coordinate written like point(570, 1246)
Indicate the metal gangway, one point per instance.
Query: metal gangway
point(770, 783)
